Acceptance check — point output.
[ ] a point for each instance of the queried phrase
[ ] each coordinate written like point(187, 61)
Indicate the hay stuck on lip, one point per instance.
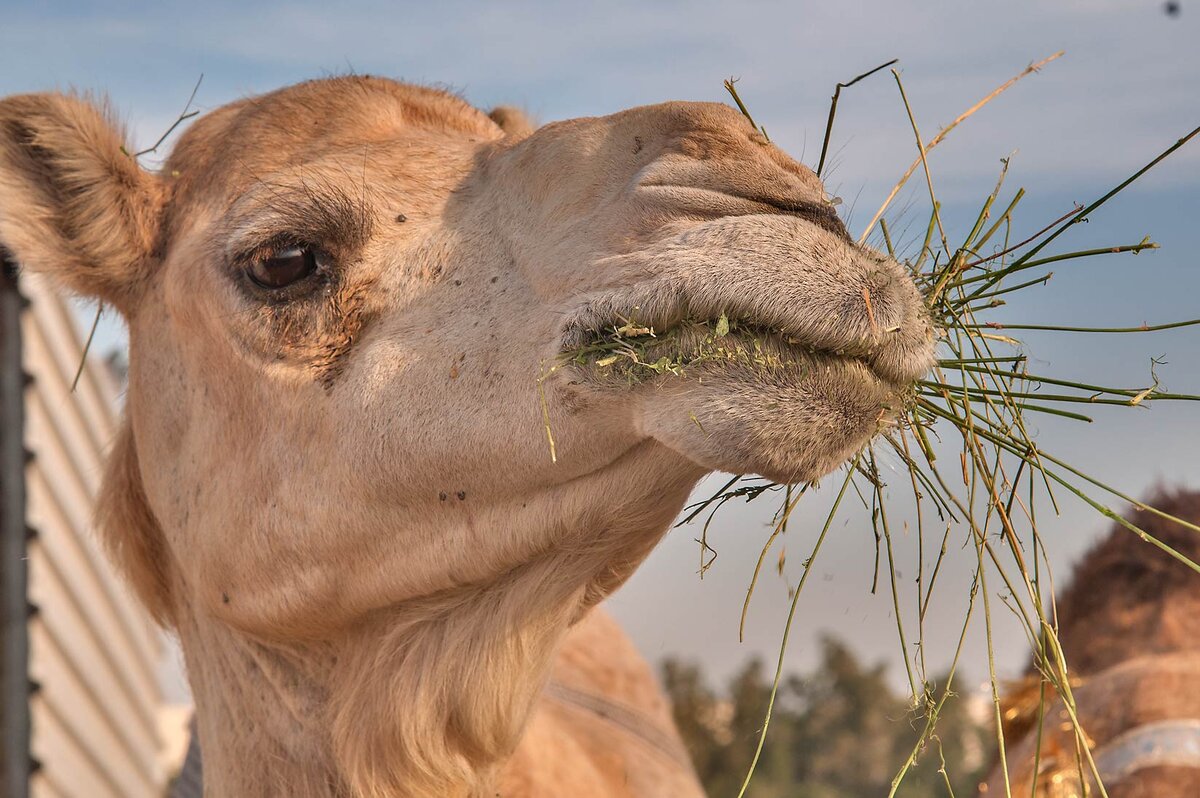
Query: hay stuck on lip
point(631, 351)
point(980, 395)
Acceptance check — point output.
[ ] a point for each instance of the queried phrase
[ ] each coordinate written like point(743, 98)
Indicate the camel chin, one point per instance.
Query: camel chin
point(794, 428)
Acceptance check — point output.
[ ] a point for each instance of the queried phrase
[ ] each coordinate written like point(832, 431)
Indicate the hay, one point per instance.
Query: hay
point(979, 394)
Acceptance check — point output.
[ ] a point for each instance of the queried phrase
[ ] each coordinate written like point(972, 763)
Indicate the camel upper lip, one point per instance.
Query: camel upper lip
point(815, 287)
point(820, 213)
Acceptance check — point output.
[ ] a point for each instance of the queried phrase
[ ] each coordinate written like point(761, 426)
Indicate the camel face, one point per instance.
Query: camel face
point(336, 352)
point(350, 304)
point(450, 267)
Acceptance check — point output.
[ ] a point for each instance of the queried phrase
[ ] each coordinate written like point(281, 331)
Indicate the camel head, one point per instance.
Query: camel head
point(348, 306)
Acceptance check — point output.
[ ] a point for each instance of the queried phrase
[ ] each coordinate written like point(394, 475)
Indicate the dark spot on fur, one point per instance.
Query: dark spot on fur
point(225, 598)
point(458, 282)
point(441, 497)
point(401, 217)
point(637, 144)
point(495, 278)
point(462, 495)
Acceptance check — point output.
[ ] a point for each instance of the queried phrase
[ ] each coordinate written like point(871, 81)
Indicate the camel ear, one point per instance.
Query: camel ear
point(513, 121)
point(74, 204)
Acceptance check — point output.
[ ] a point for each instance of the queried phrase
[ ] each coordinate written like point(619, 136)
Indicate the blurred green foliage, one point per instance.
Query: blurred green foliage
point(838, 732)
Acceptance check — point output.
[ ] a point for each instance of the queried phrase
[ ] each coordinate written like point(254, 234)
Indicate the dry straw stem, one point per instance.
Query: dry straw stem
point(732, 89)
point(184, 116)
point(924, 161)
point(936, 140)
point(979, 395)
point(808, 564)
point(977, 400)
point(833, 103)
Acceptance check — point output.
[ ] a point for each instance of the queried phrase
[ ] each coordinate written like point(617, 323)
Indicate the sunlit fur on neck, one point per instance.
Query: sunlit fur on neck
point(396, 725)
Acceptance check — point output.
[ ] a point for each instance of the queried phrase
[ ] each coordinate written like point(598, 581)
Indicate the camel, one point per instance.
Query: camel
point(1129, 625)
point(346, 303)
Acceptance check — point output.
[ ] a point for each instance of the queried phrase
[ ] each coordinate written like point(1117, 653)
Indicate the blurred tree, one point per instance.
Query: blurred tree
point(838, 732)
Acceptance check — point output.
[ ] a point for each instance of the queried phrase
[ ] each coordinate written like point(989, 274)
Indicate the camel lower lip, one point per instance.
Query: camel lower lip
point(765, 406)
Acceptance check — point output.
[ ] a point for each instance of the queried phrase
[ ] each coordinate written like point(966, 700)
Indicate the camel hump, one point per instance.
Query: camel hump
point(599, 658)
point(603, 727)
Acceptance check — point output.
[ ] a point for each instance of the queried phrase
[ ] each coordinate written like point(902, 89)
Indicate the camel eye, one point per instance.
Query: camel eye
point(285, 267)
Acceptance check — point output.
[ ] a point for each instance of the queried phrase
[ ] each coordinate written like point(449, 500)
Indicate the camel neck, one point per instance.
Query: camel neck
point(423, 699)
point(260, 711)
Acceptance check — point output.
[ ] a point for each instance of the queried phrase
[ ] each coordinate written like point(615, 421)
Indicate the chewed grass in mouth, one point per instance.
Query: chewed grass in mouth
point(634, 351)
point(628, 352)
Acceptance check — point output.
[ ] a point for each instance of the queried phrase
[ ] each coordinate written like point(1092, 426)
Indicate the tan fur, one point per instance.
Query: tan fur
point(626, 751)
point(513, 121)
point(340, 493)
point(133, 538)
point(73, 194)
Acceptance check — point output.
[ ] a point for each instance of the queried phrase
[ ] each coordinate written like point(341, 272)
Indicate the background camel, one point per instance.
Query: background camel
point(333, 481)
point(1129, 625)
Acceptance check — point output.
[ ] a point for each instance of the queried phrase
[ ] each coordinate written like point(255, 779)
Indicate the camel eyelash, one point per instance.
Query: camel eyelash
point(323, 218)
point(249, 253)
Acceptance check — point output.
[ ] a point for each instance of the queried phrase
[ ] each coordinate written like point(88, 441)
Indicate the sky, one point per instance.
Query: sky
point(1126, 88)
